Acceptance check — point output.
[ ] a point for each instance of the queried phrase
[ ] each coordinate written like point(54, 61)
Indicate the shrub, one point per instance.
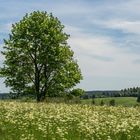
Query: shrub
point(93, 101)
point(93, 96)
point(69, 96)
point(102, 103)
point(77, 92)
point(112, 102)
point(138, 98)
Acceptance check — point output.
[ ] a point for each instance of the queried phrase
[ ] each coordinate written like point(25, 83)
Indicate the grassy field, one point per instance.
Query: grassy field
point(47, 121)
point(125, 101)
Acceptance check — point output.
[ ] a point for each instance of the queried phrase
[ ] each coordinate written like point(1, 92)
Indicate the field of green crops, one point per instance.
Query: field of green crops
point(47, 121)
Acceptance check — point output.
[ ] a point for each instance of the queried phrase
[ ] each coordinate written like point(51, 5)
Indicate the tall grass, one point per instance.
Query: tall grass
point(53, 121)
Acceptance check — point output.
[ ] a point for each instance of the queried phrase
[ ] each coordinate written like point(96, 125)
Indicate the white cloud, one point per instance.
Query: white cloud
point(105, 63)
point(124, 25)
point(87, 46)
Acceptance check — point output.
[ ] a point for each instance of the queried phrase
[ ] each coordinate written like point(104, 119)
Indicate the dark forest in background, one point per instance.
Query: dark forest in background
point(129, 92)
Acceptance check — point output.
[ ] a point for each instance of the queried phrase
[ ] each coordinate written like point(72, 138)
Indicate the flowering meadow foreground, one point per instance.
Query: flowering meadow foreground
point(47, 121)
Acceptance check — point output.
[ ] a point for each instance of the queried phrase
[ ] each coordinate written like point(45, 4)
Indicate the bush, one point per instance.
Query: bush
point(69, 96)
point(112, 102)
point(77, 92)
point(138, 98)
point(93, 96)
point(93, 101)
point(102, 103)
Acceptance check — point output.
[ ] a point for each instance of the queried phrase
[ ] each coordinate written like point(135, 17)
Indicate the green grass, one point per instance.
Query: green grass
point(125, 101)
point(119, 101)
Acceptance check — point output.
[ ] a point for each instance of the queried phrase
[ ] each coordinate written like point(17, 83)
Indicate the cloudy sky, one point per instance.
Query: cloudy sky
point(105, 36)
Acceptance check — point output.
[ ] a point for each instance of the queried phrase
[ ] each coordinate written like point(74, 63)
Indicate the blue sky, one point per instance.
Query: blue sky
point(105, 36)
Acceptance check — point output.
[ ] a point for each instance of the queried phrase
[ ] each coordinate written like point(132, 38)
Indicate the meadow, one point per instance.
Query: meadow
point(59, 121)
point(124, 101)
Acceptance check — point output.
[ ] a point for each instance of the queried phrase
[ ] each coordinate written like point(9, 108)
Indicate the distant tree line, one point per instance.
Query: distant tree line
point(128, 92)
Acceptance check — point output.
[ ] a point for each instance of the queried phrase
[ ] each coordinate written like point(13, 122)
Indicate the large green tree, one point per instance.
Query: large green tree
point(37, 57)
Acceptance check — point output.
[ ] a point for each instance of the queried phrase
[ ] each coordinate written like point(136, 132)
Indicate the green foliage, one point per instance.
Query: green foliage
point(93, 101)
point(112, 102)
point(38, 59)
point(102, 103)
point(77, 92)
point(138, 98)
point(93, 96)
point(130, 92)
point(69, 96)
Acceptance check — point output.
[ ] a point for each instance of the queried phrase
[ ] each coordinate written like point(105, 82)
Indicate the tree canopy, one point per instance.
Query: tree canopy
point(77, 92)
point(38, 59)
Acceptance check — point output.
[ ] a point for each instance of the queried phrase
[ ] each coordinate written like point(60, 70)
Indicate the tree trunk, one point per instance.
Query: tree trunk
point(38, 98)
point(38, 95)
point(37, 84)
point(45, 75)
